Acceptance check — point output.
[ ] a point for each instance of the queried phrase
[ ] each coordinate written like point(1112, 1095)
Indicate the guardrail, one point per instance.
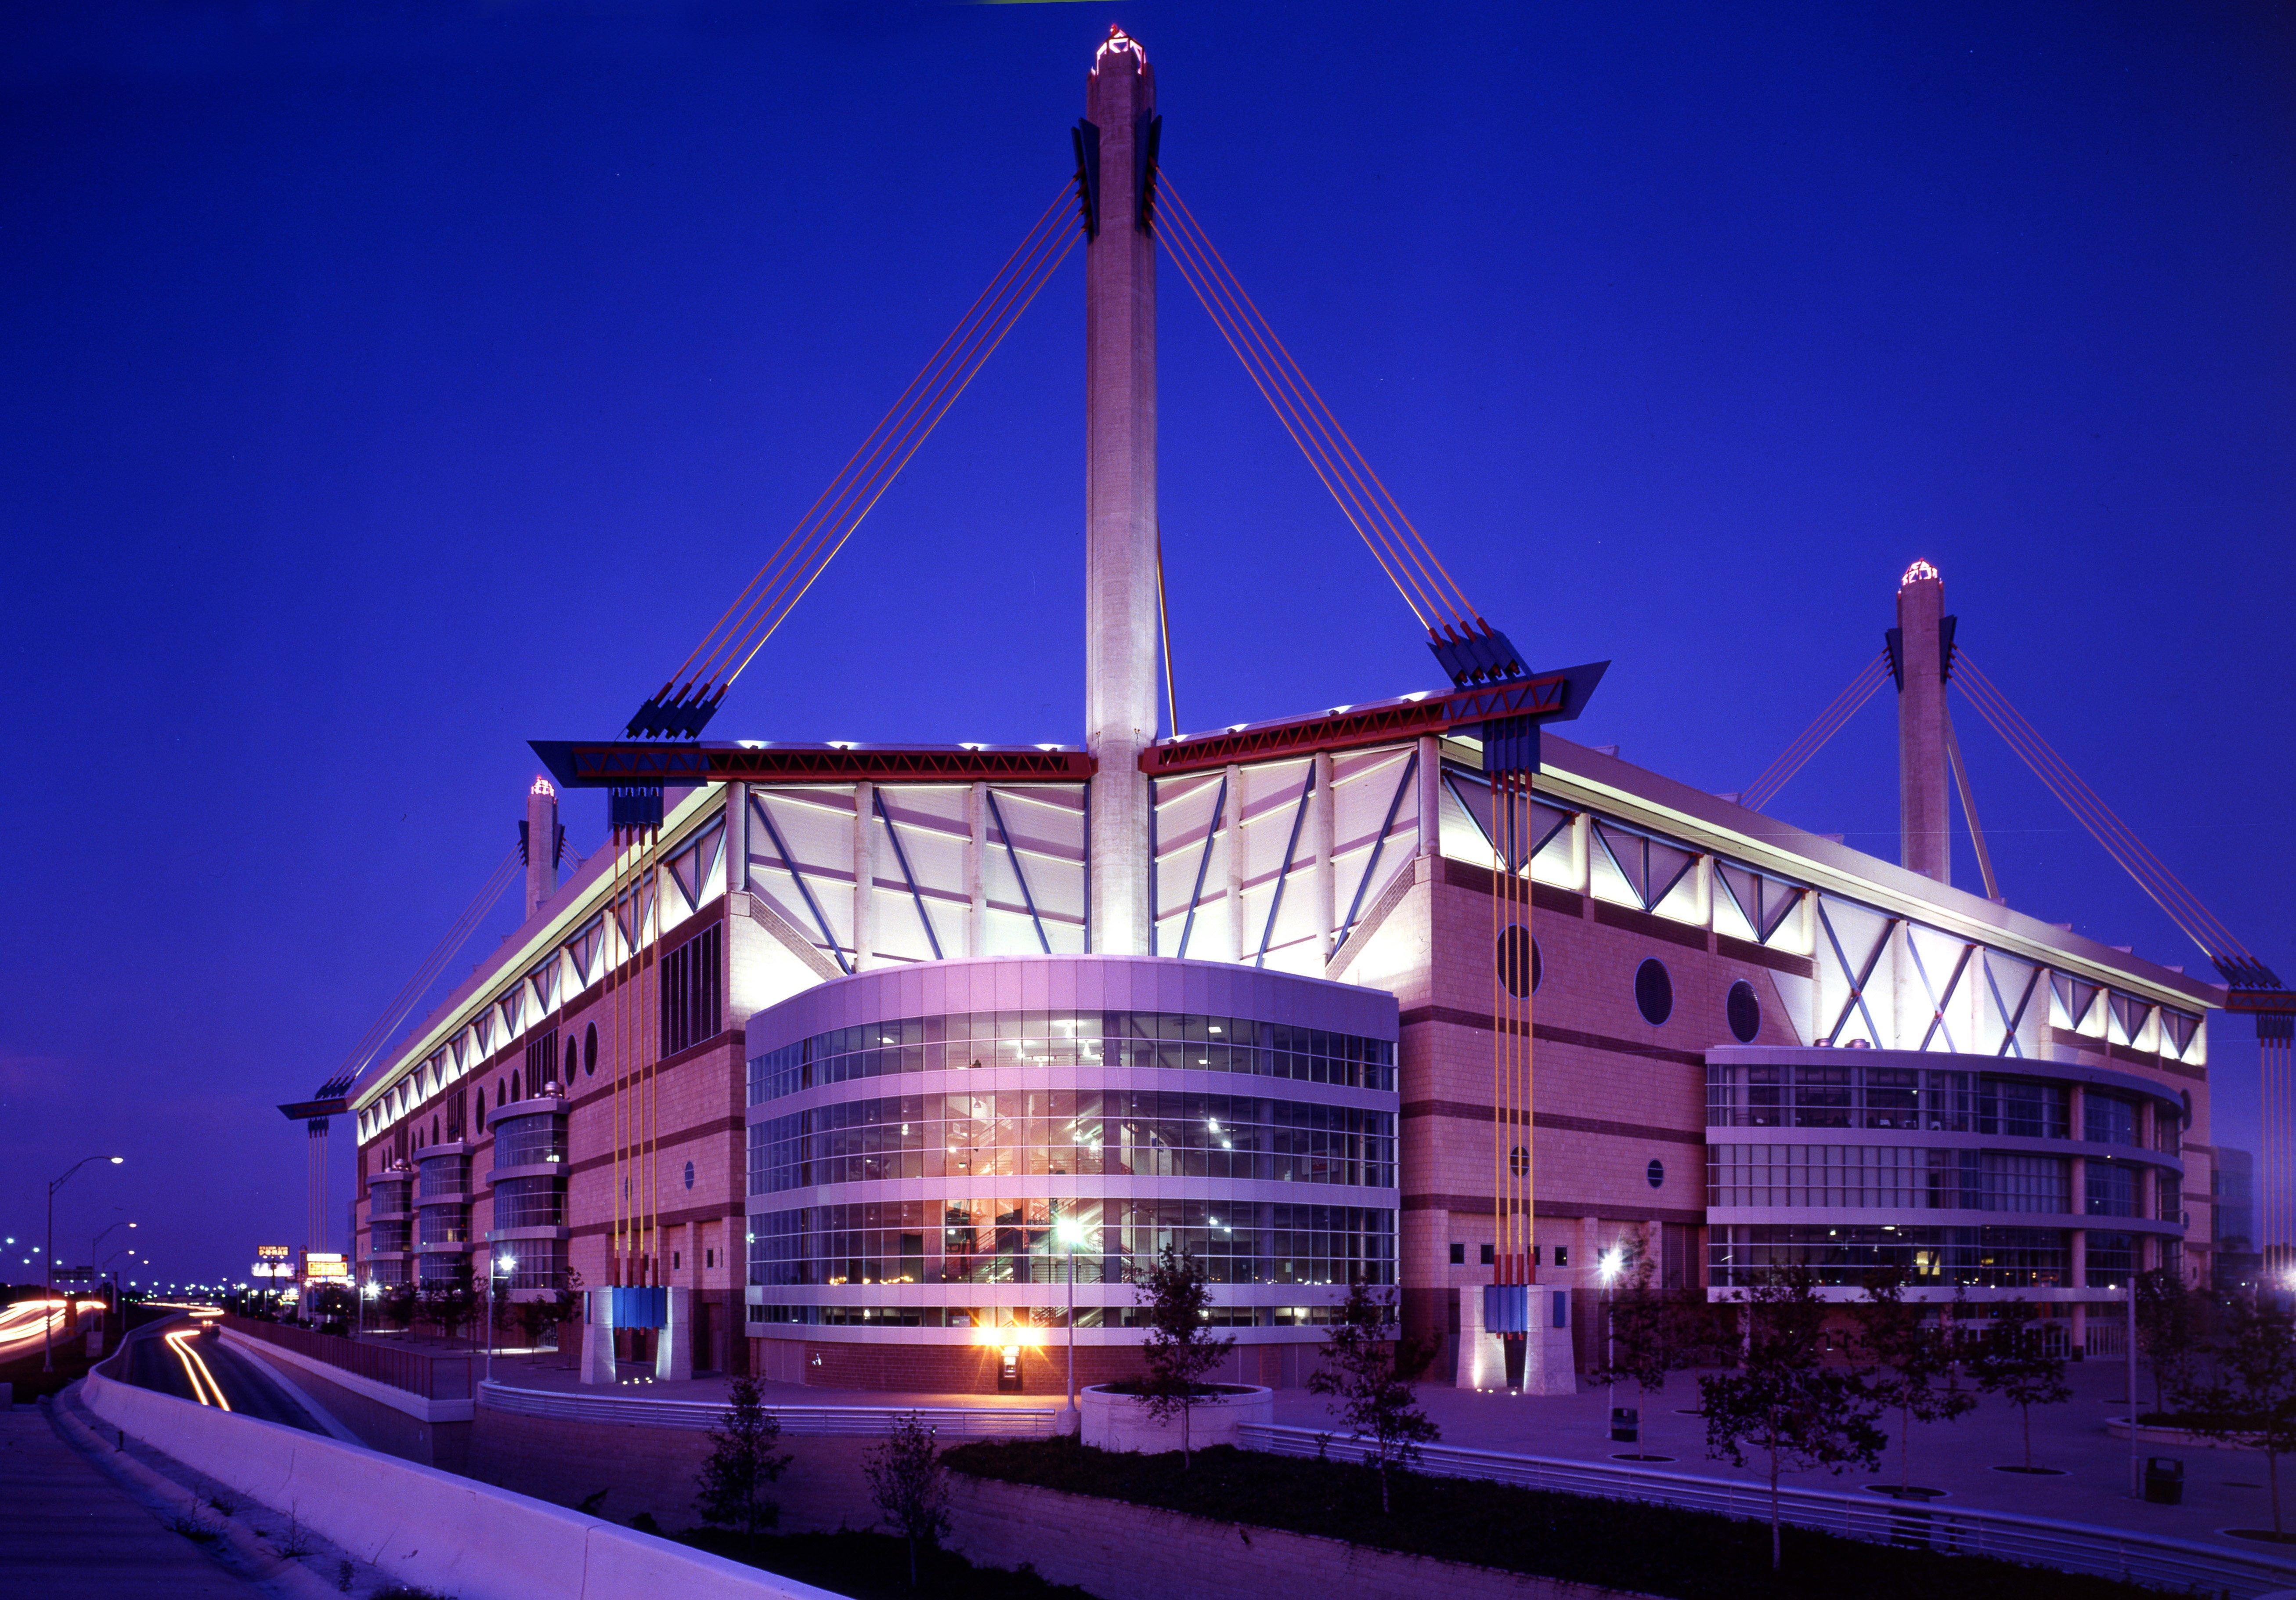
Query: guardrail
point(2172, 1563)
point(833, 1422)
point(445, 1376)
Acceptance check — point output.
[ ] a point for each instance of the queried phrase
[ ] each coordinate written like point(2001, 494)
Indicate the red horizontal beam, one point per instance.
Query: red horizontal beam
point(616, 763)
point(1383, 723)
point(2261, 1002)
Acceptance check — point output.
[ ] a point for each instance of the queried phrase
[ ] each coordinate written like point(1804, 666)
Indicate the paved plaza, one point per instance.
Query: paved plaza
point(2223, 1488)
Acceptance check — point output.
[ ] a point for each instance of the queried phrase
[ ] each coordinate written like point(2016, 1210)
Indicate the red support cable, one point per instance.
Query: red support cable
point(1813, 738)
point(864, 477)
point(1286, 415)
point(2166, 890)
point(709, 640)
point(1410, 538)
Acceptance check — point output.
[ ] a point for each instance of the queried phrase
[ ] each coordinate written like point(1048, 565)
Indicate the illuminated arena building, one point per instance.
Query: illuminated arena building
point(910, 1035)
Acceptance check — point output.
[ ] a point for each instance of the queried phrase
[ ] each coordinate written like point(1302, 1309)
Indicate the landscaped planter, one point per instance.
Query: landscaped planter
point(1123, 1422)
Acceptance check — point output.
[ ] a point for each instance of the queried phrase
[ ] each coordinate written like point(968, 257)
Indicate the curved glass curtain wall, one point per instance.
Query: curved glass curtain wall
point(1894, 1184)
point(1206, 1160)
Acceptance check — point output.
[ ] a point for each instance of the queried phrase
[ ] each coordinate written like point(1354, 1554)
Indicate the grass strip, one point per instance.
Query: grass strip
point(1616, 1543)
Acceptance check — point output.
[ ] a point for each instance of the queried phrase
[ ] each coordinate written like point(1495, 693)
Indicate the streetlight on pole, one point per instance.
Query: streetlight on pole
point(505, 1264)
point(1071, 1232)
point(48, 1324)
point(1607, 1268)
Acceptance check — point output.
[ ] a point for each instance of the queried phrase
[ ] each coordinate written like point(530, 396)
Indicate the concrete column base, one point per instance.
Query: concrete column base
point(673, 1345)
point(597, 1337)
point(1548, 1367)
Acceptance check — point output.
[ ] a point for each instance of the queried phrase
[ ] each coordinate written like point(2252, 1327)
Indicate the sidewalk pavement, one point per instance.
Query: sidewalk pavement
point(67, 1532)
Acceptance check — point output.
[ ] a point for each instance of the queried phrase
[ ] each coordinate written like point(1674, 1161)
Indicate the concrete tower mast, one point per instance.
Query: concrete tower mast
point(1920, 647)
point(541, 845)
point(1120, 629)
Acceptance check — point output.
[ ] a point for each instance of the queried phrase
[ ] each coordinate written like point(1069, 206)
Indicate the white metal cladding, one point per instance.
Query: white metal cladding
point(805, 846)
point(2180, 1565)
point(1242, 855)
point(692, 876)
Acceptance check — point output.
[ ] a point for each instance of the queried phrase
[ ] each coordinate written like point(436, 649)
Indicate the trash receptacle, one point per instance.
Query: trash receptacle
point(1625, 1425)
point(2164, 1480)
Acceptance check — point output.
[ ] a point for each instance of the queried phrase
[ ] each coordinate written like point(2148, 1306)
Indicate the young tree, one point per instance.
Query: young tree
point(1783, 1403)
point(1369, 1367)
point(2251, 1397)
point(1651, 1331)
point(1915, 1374)
point(2016, 1362)
point(451, 1306)
point(1180, 1348)
point(2168, 1332)
point(742, 1465)
point(910, 1486)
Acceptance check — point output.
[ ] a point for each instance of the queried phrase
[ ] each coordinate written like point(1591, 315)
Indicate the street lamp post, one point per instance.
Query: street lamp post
point(48, 1323)
point(1071, 1232)
point(505, 1264)
point(1608, 1266)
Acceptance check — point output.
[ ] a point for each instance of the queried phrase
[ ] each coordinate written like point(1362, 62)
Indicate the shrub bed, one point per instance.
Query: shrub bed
point(875, 1566)
point(1617, 1544)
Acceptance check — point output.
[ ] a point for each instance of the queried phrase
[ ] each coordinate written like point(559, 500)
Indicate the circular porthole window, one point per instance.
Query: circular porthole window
point(1519, 1161)
point(1745, 1011)
point(1654, 991)
point(1520, 965)
point(1657, 1175)
point(589, 1049)
point(689, 1174)
point(570, 1063)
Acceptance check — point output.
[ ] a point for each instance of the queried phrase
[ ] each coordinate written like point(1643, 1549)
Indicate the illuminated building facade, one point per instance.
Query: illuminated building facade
point(887, 1024)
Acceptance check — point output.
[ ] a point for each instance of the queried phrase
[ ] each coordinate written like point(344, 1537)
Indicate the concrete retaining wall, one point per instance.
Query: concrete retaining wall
point(424, 1526)
point(1121, 1552)
point(382, 1425)
point(1123, 1422)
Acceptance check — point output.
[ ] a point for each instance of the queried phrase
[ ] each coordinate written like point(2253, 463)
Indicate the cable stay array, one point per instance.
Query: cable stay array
point(2241, 968)
point(1796, 756)
point(690, 695)
point(2239, 965)
point(1471, 650)
point(506, 872)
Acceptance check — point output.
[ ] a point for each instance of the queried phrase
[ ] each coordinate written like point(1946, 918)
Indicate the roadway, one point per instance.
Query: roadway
point(172, 1358)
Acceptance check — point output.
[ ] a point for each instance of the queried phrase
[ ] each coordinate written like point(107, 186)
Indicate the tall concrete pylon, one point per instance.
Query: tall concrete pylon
point(1918, 649)
point(1121, 627)
point(541, 846)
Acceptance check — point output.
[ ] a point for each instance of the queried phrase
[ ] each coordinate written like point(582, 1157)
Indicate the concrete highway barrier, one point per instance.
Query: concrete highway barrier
point(423, 1526)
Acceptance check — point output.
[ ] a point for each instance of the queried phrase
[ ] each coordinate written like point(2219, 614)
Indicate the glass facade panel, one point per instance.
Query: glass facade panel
point(391, 1235)
point(530, 1141)
point(2111, 1259)
point(1839, 1256)
point(1062, 1132)
point(537, 1264)
point(443, 1177)
point(975, 1240)
point(1118, 1039)
point(1851, 1093)
point(1884, 1178)
point(443, 1225)
point(2112, 1190)
point(2108, 1120)
point(530, 1202)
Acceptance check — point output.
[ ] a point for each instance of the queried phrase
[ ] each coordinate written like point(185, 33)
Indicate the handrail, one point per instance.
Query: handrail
point(2182, 1565)
point(444, 1376)
point(834, 1421)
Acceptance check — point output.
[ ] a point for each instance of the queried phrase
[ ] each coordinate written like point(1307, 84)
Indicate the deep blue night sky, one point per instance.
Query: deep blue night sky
point(380, 391)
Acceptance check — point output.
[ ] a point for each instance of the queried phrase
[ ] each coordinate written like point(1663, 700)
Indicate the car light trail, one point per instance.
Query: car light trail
point(195, 1368)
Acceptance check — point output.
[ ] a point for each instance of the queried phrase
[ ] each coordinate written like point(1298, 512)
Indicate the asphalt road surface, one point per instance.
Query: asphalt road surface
point(153, 1362)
